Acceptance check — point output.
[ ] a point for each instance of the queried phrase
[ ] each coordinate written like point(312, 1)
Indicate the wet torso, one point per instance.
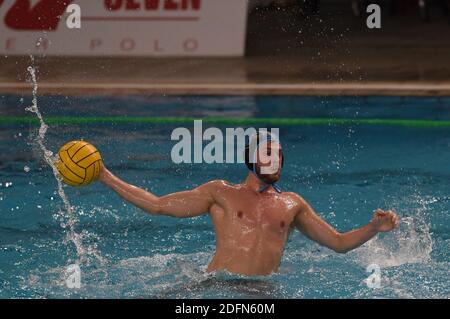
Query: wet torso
point(251, 229)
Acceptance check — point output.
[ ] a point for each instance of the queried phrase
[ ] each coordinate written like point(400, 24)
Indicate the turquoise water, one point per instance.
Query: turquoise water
point(345, 172)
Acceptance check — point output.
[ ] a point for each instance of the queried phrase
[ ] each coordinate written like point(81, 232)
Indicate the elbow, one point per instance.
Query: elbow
point(340, 247)
point(153, 212)
point(154, 209)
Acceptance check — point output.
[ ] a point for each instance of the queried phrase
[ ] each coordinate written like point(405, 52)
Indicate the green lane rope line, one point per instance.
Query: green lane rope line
point(74, 120)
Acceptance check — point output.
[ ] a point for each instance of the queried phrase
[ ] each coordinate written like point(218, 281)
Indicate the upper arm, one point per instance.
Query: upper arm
point(314, 227)
point(189, 203)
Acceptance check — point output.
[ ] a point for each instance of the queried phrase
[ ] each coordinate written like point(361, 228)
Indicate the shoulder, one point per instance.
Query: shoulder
point(216, 185)
point(294, 196)
point(296, 199)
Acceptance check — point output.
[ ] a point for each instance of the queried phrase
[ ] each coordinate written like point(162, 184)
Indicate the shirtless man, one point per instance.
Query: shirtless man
point(252, 220)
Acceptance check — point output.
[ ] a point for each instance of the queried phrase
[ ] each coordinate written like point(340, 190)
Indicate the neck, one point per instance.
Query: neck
point(253, 182)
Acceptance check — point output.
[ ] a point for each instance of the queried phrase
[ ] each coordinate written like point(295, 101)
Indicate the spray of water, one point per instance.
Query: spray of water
point(50, 159)
point(411, 243)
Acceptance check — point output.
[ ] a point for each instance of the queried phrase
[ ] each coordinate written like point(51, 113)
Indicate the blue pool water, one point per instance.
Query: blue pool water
point(345, 172)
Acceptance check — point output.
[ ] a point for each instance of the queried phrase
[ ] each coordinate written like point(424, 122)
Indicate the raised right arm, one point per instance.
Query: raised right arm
point(182, 204)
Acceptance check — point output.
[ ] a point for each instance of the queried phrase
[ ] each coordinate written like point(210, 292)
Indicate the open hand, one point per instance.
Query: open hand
point(385, 221)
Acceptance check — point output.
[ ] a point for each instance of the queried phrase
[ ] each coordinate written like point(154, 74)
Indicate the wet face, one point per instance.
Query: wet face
point(268, 165)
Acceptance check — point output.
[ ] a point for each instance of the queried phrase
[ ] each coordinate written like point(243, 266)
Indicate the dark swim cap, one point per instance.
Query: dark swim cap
point(248, 153)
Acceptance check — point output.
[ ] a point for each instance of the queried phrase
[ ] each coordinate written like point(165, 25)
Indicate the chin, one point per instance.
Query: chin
point(270, 179)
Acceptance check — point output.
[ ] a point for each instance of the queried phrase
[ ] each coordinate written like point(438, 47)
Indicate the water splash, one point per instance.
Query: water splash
point(410, 243)
point(50, 159)
point(156, 276)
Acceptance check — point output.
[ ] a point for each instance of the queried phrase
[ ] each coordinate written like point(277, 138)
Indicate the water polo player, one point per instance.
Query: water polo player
point(252, 219)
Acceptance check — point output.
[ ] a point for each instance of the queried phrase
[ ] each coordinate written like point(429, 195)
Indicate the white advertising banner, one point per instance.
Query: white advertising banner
point(123, 27)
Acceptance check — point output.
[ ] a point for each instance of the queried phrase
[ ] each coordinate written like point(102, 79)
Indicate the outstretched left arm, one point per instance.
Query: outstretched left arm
point(315, 228)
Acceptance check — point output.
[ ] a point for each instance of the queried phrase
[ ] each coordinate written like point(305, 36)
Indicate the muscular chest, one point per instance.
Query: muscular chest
point(269, 213)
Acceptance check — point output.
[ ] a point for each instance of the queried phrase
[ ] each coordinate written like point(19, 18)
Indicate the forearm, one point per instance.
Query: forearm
point(135, 195)
point(183, 204)
point(355, 238)
point(309, 223)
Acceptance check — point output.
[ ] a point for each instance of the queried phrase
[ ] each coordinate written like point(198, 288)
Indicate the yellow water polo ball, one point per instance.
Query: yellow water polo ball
point(79, 163)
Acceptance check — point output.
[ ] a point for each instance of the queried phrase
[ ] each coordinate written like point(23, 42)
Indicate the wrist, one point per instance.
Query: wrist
point(373, 227)
point(103, 175)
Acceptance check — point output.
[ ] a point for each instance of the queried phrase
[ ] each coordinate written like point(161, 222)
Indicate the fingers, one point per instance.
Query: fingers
point(391, 215)
point(389, 212)
point(379, 212)
point(395, 220)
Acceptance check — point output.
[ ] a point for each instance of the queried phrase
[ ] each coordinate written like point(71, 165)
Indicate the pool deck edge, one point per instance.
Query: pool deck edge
point(308, 89)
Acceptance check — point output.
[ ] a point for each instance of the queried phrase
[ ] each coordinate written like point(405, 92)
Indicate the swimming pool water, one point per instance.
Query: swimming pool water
point(344, 171)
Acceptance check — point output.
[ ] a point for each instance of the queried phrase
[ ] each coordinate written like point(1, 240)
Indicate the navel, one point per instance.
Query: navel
point(240, 214)
point(282, 224)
